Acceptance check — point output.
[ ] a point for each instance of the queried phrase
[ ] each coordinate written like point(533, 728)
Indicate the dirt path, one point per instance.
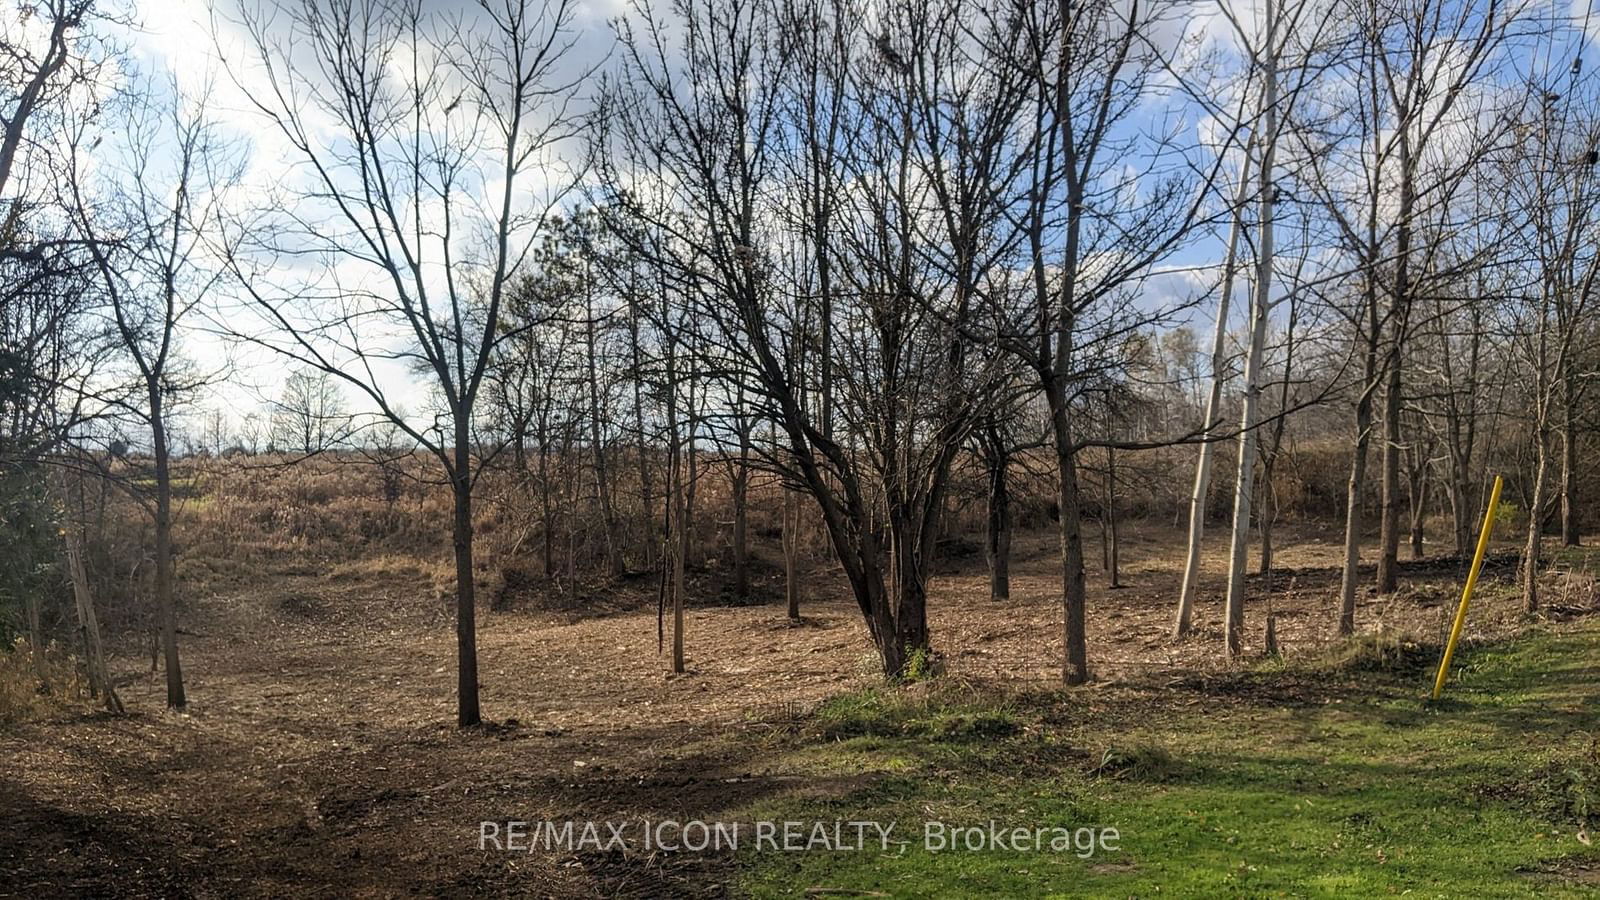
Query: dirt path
point(318, 748)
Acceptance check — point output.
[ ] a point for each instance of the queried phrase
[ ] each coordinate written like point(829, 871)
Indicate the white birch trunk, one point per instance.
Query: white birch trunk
point(1260, 307)
point(1202, 471)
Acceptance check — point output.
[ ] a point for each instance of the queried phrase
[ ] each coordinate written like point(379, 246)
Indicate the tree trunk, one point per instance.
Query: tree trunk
point(549, 527)
point(1569, 440)
point(678, 528)
point(1244, 484)
point(741, 516)
point(647, 527)
point(1460, 509)
point(1352, 515)
point(1114, 548)
point(741, 544)
point(1461, 433)
point(1057, 376)
point(1074, 589)
point(791, 552)
point(573, 468)
point(1267, 515)
point(1531, 552)
point(911, 607)
point(693, 554)
point(1420, 489)
point(1202, 471)
point(467, 711)
point(166, 600)
point(680, 553)
point(1389, 522)
point(94, 650)
point(1393, 401)
point(997, 534)
point(602, 481)
point(1261, 308)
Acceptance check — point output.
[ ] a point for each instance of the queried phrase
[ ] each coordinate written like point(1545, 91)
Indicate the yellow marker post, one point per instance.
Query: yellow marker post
point(1466, 593)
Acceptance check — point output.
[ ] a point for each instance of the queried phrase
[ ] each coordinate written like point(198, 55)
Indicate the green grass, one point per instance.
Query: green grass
point(1326, 778)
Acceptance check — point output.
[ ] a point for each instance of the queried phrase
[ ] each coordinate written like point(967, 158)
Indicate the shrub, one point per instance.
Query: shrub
point(36, 681)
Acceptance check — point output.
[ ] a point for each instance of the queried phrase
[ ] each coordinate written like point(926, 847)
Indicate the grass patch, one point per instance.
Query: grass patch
point(1359, 790)
point(938, 712)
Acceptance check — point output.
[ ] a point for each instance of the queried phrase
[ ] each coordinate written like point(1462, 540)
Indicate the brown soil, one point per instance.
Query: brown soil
point(318, 755)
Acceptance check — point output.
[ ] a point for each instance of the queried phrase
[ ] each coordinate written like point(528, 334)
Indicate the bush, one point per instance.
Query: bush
point(1379, 652)
point(28, 547)
point(37, 681)
point(1143, 762)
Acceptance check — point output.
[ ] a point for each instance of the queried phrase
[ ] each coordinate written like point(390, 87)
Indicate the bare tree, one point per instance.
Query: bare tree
point(1390, 145)
point(310, 414)
point(717, 120)
point(424, 145)
point(1554, 192)
point(1213, 409)
point(1090, 67)
point(35, 77)
point(145, 223)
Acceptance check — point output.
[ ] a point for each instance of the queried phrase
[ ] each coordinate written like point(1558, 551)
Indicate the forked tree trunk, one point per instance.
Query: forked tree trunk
point(1358, 458)
point(1202, 470)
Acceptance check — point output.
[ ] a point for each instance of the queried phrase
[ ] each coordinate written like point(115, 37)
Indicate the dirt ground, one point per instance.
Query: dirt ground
point(318, 755)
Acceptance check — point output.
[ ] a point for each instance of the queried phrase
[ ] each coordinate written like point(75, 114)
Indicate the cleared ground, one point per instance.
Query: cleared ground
point(319, 750)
